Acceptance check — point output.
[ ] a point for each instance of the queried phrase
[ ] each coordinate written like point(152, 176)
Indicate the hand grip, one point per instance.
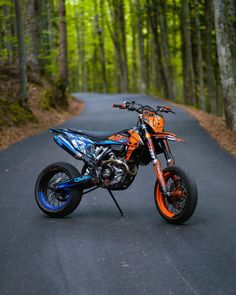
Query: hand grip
point(116, 105)
point(123, 105)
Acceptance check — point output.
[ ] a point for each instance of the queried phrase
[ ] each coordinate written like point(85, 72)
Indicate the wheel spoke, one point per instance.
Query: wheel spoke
point(56, 199)
point(175, 205)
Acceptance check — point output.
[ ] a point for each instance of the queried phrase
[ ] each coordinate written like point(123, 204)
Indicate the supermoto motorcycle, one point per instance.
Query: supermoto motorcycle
point(111, 162)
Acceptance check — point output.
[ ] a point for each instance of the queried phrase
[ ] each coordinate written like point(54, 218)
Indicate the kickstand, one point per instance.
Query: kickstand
point(117, 205)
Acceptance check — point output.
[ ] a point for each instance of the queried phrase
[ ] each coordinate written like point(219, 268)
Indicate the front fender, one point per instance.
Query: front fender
point(168, 136)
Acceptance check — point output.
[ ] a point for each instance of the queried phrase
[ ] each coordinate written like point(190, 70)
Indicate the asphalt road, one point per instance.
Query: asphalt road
point(95, 251)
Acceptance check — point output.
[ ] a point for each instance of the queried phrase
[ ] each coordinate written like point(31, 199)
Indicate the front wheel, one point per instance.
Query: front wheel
point(54, 202)
point(180, 204)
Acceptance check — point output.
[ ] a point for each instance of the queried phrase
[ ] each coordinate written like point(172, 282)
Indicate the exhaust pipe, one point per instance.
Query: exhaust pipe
point(67, 146)
point(115, 161)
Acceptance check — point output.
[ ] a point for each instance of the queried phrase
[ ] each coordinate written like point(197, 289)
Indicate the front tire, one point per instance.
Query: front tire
point(57, 203)
point(180, 206)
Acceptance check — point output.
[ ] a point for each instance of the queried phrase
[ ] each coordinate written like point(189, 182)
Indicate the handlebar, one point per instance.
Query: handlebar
point(123, 105)
point(133, 106)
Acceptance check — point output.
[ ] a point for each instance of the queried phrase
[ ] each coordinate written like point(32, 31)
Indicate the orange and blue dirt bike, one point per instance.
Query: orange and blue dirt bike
point(111, 161)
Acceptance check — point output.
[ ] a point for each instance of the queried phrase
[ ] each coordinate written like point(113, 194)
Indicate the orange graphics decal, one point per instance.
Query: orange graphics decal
point(168, 136)
point(156, 122)
point(134, 142)
point(119, 138)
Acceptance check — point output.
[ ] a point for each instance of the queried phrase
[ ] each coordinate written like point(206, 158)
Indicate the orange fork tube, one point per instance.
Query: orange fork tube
point(160, 177)
point(156, 165)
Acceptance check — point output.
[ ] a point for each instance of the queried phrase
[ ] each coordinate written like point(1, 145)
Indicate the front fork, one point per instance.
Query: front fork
point(157, 162)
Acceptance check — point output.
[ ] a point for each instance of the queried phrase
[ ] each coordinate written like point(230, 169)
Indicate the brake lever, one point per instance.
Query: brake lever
point(167, 110)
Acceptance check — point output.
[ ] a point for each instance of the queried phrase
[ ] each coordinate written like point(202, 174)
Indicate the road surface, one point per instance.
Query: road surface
point(95, 251)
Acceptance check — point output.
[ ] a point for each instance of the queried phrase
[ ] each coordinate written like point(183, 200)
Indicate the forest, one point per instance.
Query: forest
point(181, 50)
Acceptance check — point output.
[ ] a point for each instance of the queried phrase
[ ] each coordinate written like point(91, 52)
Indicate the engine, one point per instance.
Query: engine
point(115, 173)
point(112, 171)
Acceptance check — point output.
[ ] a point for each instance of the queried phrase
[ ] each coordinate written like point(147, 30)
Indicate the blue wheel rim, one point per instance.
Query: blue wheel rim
point(51, 199)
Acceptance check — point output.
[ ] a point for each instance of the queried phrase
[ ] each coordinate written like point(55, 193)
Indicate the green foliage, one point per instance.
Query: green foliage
point(45, 101)
point(98, 52)
point(83, 15)
point(53, 96)
point(13, 113)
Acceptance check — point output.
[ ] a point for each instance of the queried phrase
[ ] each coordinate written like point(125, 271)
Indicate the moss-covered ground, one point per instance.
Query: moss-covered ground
point(46, 106)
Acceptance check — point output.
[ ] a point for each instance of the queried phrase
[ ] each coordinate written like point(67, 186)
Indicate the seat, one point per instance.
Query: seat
point(97, 135)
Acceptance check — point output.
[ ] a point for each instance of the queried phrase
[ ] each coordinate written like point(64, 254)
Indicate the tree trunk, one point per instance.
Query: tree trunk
point(164, 46)
point(226, 37)
point(1, 36)
point(63, 67)
point(133, 17)
point(147, 54)
point(159, 72)
point(208, 52)
point(199, 57)
point(154, 16)
point(84, 71)
point(100, 33)
point(50, 15)
point(79, 26)
point(118, 36)
point(187, 59)
point(141, 54)
point(22, 57)
point(43, 26)
point(174, 47)
point(94, 67)
point(125, 80)
point(32, 31)
point(174, 13)
point(7, 31)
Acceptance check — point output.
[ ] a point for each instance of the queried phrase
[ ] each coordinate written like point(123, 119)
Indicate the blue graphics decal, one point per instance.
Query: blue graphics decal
point(74, 181)
point(79, 145)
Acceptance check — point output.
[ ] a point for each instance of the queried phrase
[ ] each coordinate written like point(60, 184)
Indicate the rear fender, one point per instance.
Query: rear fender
point(80, 147)
point(67, 141)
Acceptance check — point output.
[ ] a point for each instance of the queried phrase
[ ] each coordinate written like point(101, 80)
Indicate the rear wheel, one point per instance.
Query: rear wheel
point(54, 202)
point(180, 205)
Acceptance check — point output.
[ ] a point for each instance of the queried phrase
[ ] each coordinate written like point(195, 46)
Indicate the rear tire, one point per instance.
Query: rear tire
point(181, 205)
point(57, 203)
